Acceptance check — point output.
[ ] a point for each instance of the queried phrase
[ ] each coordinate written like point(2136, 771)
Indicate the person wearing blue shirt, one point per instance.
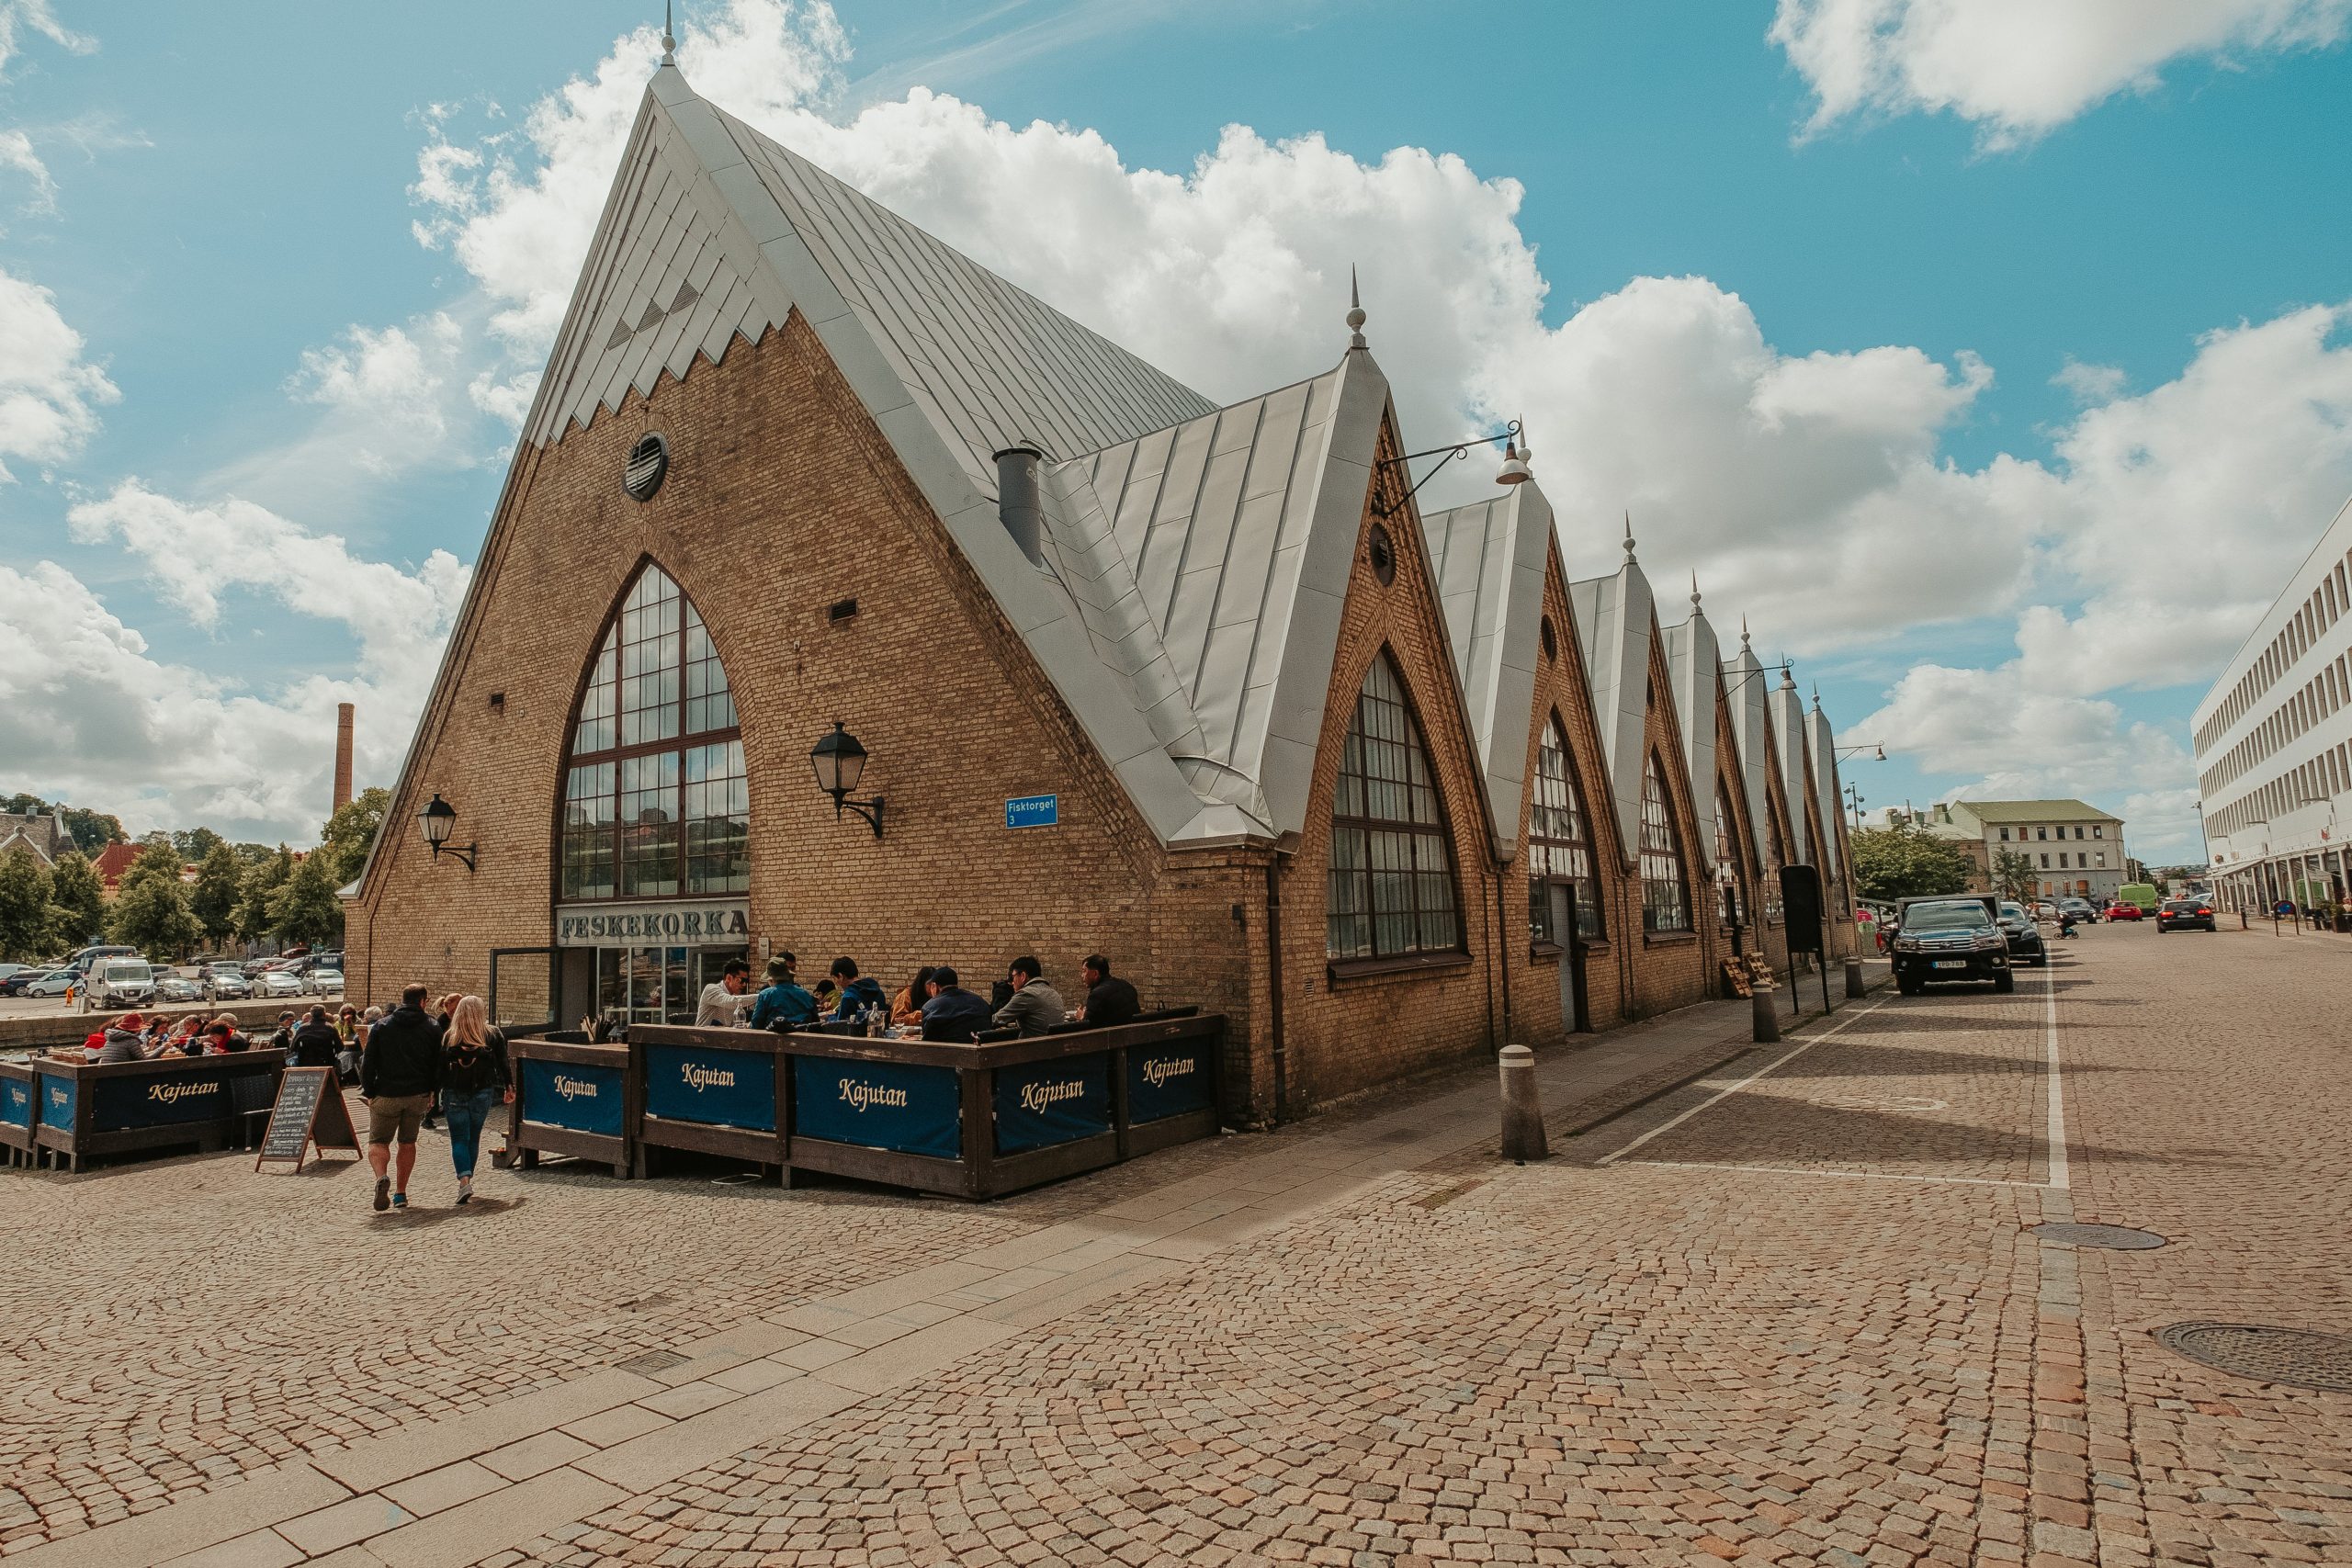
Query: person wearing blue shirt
point(783, 1004)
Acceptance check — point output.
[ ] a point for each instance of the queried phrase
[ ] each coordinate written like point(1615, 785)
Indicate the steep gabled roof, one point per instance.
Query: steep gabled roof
point(1694, 669)
point(1788, 729)
point(1614, 616)
point(1489, 560)
point(1821, 741)
point(1745, 689)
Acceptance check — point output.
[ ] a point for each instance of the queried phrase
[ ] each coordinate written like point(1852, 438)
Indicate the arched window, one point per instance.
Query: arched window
point(1392, 866)
point(1779, 858)
point(1560, 849)
point(1666, 902)
point(1729, 911)
point(655, 802)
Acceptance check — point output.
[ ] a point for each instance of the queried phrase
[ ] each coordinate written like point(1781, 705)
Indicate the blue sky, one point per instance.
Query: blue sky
point(1921, 342)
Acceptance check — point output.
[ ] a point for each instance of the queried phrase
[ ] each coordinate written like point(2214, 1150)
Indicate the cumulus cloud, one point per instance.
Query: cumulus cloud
point(48, 392)
point(2018, 69)
point(22, 19)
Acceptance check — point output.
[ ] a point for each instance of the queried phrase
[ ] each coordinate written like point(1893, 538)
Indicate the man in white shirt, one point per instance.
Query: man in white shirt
point(726, 1000)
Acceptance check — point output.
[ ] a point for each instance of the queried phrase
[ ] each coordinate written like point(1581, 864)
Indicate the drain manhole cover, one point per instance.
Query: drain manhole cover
point(651, 1362)
point(2120, 1238)
point(2272, 1355)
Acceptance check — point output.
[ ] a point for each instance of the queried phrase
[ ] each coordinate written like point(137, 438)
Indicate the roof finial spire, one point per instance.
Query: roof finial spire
point(1355, 310)
point(669, 37)
point(1816, 697)
point(1694, 589)
point(1743, 628)
point(1629, 538)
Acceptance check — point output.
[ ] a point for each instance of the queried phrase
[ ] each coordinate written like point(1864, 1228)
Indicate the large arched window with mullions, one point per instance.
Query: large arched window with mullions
point(1559, 844)
point(655, 802)
point(1729, 866)
point(1392, 864)
point(1666, 899)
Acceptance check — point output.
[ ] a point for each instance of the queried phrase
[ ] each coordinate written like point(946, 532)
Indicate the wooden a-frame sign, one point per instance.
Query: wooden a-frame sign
point(309, 1111)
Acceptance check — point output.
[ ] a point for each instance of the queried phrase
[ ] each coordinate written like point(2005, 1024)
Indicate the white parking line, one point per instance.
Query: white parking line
point(1735, 1089)
point(2054, 1135)
point(1852, 1174)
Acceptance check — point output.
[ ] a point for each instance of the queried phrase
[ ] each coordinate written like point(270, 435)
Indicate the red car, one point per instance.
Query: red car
point(2119, 910)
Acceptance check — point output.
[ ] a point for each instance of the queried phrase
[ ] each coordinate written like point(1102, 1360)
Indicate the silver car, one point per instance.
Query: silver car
point(223, 982)
point(278, 983)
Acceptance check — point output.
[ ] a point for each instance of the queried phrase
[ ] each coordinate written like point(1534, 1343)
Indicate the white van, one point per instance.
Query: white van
point(118, 983)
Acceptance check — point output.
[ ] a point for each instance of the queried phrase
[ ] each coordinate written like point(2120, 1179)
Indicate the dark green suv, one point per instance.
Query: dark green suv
point(1949, 939)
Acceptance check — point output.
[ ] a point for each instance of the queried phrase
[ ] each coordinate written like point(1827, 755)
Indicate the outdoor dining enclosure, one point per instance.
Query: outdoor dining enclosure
point(966, 1120)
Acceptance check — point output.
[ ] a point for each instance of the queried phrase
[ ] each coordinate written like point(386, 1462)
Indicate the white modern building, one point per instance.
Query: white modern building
point(2274, 741)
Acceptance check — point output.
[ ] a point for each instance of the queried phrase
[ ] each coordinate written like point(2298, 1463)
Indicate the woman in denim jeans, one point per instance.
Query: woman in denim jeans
point(473, 1074)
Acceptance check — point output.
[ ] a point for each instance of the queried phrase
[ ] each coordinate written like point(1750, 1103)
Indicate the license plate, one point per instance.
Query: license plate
point(1951, 963)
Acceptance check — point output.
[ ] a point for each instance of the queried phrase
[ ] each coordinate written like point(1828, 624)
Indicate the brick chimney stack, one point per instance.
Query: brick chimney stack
point(341, 756)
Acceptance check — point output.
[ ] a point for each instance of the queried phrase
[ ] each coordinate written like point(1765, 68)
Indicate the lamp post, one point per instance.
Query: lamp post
point(437, 820)
point(839, 762)
point(1514, 470)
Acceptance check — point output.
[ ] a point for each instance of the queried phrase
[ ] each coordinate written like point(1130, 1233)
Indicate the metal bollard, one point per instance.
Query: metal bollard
point(1767, 1014)
point(1854, 984)
point(1522, 1112)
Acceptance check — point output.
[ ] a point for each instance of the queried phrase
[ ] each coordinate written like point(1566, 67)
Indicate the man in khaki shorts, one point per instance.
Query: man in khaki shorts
point(398, 1074)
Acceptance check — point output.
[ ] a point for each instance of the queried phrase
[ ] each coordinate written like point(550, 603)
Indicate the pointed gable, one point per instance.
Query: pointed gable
point(1693, 672)
point(1788, 729)
point(1821, 742)
point(1490, 561)
point(1614, 616)
point(1748, 695)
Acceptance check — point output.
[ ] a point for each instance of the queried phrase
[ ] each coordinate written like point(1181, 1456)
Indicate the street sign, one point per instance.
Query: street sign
point(1801, 907)
point(1033, 811)
point(310, 1111)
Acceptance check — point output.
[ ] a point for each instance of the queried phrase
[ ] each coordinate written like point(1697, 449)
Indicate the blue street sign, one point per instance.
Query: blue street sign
point(1033, 811)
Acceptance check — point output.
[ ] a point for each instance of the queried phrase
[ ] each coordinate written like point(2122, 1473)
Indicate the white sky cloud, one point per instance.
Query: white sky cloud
point(21, 20)
point(2018, 69)
point(48, 393)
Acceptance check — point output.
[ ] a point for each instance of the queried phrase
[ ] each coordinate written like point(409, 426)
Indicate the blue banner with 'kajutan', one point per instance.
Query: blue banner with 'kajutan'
point(58, 1097)
point(577, 1098)
point(1169, 1081)
point(1044, 1103)
point(718, 1088)
point(883, 1105)
point(16, 1101)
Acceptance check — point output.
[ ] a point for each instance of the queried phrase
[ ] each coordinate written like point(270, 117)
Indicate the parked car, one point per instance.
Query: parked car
point(277, 982)
point(2024, 937)
point(2081, 909)
point(324, 980)
point(2185, 914)
point(173, 986)
point(118, 983)
point(2119, 910)
point(1951, 939)
point(224, 981)
point(53, 983)
point(14, 985)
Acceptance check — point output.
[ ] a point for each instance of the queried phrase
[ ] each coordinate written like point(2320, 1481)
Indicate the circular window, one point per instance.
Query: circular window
point(649, 460)
point(1551, 642)
point(1384, 556)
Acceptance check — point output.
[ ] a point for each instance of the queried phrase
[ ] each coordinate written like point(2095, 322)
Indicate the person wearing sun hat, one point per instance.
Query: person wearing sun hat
point(122, 1043)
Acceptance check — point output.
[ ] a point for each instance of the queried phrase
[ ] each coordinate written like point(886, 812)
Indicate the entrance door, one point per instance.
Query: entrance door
point(1576, 1014)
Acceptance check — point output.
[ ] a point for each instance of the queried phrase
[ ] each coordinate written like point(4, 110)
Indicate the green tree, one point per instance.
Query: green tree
point(1907, 861)
point(2014, 874)
point(304, 908)
point(77, 901)
point(195, 843)
point(151, 911)
point(261, 882)
point(158, 861)
point(351, 832)
point(220, 885)
point(25, 931)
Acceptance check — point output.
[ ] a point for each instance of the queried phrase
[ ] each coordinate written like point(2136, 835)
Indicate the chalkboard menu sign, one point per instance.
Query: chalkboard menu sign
point(1801, 907)
point(310, 1111)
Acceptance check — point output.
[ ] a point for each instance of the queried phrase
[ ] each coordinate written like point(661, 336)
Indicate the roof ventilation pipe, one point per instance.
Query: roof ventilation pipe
point(1019, 505)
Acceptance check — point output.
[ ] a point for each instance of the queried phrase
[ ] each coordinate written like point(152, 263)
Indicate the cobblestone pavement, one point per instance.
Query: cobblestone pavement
point(1790, 1312)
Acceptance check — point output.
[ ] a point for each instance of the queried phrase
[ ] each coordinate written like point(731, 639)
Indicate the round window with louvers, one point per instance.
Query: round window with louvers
point(649, 462)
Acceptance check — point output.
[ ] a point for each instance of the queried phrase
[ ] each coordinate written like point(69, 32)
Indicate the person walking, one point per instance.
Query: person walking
point(400, 1068)
point(473, 1074)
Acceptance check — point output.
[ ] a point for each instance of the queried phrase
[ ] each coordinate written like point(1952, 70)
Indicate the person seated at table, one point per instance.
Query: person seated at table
point(1034, 1007)
point(783, 1004)
point(826, 993)
point(953, 1014)
point(152, 1038)
point(183, 1040)
point(726, 999)
point(316, 1042)
point(858, 992)
point(222, 1037)
point(121, 1041)
point(905, 1007)
point(1110, 1002)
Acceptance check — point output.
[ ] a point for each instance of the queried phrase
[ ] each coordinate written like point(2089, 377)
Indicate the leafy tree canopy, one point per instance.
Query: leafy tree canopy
point(77, 901)
point(153, 915)
point(195, 843)
point(1907, 862)
point(304, 908)
point(2015, 875)
point(261, 880)
point(220, 884)
point(347, 837)
point(26, 932)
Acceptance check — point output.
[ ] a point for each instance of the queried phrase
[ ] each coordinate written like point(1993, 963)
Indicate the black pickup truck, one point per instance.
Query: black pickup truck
point(1957, 937)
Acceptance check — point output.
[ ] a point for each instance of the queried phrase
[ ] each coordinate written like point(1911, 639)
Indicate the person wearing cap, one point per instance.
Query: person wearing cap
point(953, 1014)
point(122, 1043)
point(282, 1037)
point(782, 1004)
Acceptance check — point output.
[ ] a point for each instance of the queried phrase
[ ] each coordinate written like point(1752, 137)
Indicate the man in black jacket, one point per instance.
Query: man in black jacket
point(315, 1043)
point(398, 1075)
point(1110, 1002)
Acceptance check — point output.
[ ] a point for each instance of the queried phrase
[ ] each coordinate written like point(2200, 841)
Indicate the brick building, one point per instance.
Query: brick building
point(1196, 686)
